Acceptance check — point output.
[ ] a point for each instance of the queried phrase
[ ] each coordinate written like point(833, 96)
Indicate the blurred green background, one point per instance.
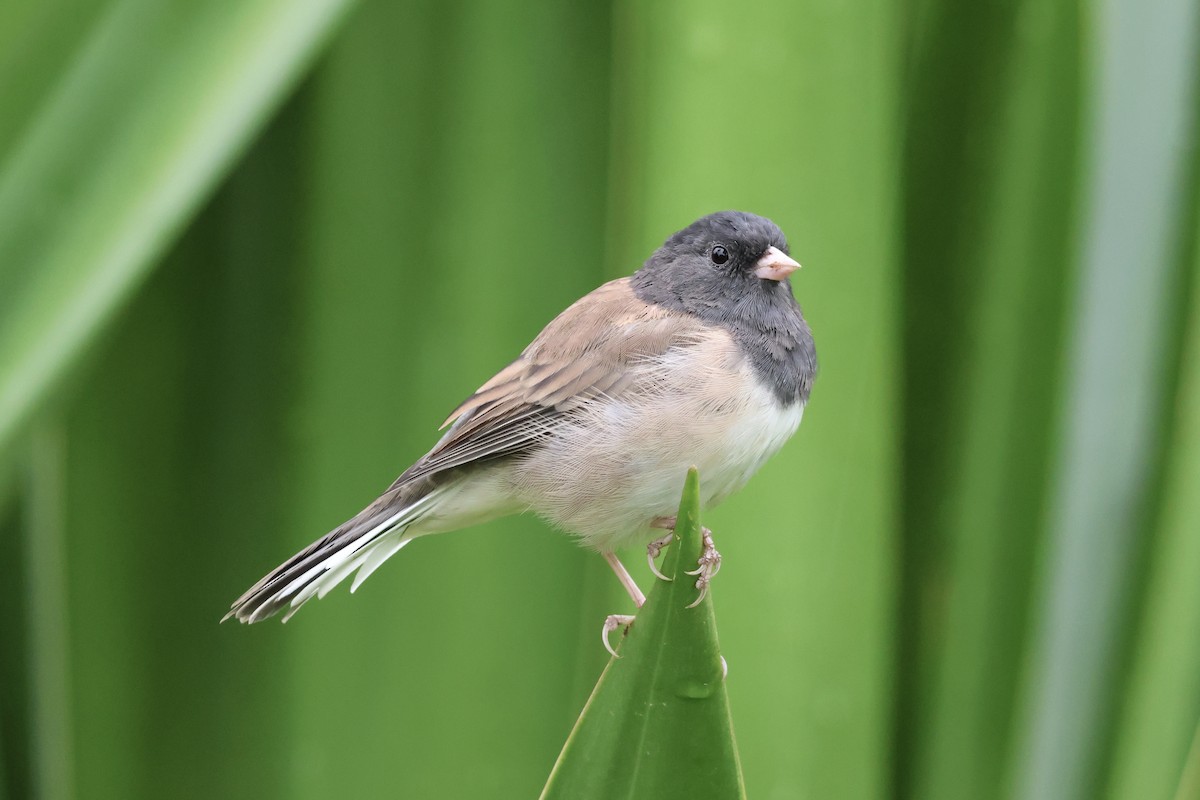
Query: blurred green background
point(253, 251)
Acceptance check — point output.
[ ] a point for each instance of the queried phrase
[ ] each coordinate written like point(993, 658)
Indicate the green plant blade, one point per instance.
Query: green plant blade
point(1106, 451)
point(150, 110)
point(657, 724)
point(1157, 722)
point(1189, 784)
point(979, 418)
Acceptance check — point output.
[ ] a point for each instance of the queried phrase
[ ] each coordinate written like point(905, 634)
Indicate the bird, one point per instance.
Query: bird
point(701, 358)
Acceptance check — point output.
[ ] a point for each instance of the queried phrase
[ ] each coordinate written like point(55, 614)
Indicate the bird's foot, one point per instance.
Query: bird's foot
point(652, 551)
point(709, 561)
point(710, 565)
point(613, 622)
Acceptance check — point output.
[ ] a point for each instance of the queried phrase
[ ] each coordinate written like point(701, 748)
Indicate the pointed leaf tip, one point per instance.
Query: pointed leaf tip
point(657, 724)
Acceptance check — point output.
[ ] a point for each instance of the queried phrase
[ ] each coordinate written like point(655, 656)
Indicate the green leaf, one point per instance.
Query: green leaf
point(1189, 784)
point(1157, 721)
point(147, 114)
point(981, 413)
point(49, 690)
point(657, 724)
point(1111, 431)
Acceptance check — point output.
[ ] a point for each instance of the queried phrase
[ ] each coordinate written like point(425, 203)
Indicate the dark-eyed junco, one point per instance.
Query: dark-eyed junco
point(702, 358)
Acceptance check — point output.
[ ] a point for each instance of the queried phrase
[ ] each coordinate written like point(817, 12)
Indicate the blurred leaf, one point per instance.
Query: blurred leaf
point(50, 672)
point(657, 724)
point(1161, 706)
point(16, 758)
point(1121, 321)
point(178, 482)
point(992, 184)
point(158, 99)
point(1189, 782)
point(38, 41)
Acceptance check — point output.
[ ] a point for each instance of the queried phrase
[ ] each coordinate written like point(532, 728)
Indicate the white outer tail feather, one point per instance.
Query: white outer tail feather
point(363, 553)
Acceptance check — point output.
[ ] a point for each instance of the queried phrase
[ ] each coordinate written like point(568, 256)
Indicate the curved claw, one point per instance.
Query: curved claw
point(654, 569)
point(710, 565)
point(611, 623)
point(709, 561)
point(652, 551)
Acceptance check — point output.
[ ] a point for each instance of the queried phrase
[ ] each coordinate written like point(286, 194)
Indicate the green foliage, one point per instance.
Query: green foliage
point(657, 723)
point(1157, 722)
point(136, 123)
point(230, 315)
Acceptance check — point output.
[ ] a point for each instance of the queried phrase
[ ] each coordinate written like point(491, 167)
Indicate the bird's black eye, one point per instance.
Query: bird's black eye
point(719, 255)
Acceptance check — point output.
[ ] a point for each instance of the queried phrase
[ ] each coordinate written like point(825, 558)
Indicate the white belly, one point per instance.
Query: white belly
point(622, 462)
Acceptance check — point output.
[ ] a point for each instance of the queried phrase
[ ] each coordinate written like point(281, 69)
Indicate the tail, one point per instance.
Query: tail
point(361, 543)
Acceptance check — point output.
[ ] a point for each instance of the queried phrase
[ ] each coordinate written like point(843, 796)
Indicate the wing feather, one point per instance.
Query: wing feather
point(588, 351)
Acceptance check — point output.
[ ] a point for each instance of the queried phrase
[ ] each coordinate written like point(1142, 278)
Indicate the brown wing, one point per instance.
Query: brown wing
point(585, 352)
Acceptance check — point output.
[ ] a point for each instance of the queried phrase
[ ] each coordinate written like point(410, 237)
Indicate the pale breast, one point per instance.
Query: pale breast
point(616, 463)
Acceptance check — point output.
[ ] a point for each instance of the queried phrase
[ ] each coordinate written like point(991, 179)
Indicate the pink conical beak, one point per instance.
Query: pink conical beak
point(775, 265)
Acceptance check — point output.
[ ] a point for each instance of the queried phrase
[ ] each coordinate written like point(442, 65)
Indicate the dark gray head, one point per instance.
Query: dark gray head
point(715, 256)
point(731, 269)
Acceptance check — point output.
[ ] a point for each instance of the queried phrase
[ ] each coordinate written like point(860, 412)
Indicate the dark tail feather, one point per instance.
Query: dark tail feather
point(361, 543)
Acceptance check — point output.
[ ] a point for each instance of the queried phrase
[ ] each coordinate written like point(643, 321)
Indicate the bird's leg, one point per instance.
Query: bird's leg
point(615, 621)
point(626, 579)
point(709, 561)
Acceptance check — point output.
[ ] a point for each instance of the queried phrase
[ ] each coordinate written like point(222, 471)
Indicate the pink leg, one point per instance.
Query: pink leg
point(625, 578)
